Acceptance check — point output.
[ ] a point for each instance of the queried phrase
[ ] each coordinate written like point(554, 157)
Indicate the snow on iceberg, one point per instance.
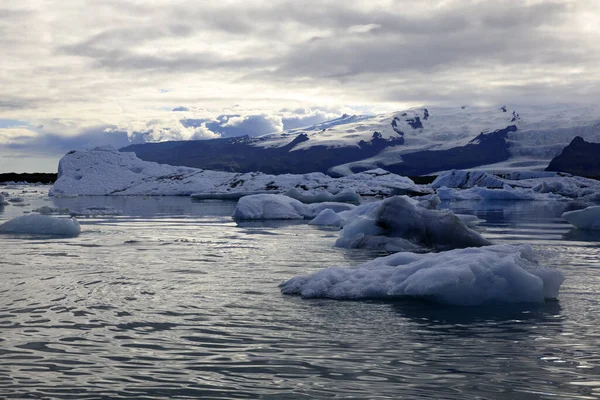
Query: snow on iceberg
point(400, 223)
point(588, 218)
point(110, 172)
point(473, 276)
point(36, 224)
point(278, 206)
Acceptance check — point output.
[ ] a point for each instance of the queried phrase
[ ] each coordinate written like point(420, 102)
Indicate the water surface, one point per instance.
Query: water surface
point(173, 299)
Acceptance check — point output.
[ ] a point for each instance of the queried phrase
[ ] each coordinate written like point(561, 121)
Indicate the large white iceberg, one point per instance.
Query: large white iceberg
point(400, 223)
point(35, 224)
point(103, 171)
point(473, 276)
point(278, 206)
point(588, 218)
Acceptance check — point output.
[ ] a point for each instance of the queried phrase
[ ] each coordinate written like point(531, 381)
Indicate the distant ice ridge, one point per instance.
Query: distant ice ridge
point(35, 224)
point(472, 276)
point(105, 171)
point(278, 206)
point(588, 218)
point(517, 185)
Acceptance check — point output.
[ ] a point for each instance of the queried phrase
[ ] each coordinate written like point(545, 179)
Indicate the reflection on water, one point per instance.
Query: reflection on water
point(173, 299)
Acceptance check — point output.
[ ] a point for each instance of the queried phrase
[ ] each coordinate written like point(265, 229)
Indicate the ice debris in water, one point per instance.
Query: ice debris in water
point(344, 196)
point(472, 276)
point(36, 224)
point(588, 218)
point(403, 224)
point(516, 185)
point(278, 206)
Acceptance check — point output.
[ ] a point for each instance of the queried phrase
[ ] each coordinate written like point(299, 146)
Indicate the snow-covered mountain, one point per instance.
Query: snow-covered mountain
point(416, 141)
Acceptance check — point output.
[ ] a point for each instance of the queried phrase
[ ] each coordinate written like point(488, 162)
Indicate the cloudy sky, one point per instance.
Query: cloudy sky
point(80, 73)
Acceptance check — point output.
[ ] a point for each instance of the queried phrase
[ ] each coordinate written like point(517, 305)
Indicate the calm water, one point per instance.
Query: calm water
point(175, 300)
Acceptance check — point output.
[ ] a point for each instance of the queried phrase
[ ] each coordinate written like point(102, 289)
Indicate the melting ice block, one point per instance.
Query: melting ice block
point(473, 276)
point(588, 218)
point(35, 224)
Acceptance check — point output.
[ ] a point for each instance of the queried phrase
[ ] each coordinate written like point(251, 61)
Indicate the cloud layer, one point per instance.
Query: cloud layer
point(142, 67)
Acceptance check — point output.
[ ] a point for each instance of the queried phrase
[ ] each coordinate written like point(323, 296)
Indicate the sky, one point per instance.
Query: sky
point(82, 73)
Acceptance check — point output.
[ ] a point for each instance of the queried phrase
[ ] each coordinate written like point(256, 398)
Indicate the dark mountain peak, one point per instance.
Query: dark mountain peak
point(425, 114)
point(415, 122)
point(578, 158)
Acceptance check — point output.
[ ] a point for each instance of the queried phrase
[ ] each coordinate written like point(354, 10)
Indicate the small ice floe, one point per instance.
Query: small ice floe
point(328, 217)
point(278, 206)
point(3, 201)
point(588, 218)
point(403, 224)
point(16, 200)
point(224, 195)
point(95, 212)
point(473, 276)
point(344, 196)
point(46, 210)
point(483, 193)
point(36, 224)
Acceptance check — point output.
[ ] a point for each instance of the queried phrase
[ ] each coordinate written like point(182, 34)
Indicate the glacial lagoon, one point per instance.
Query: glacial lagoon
point(173, 299)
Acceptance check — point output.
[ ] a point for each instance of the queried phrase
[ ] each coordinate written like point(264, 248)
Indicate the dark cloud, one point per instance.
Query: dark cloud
point(52, 143)
point(181, 108)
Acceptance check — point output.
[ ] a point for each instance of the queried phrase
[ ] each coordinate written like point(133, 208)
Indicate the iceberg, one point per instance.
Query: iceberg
point(36, 224)
point(483, 193)
point(278, 206)
point(587, 219)
point(105, 171)
point(472, 276)
point(344, 196)
point(516, 185)
point(403, 224)
point(327, 217)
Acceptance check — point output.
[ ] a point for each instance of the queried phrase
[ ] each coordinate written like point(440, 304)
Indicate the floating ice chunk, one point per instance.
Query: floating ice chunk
point(344, 196)
point(268, 206)
point(95, 211)
point(472, 221)
point(588, 218)
point(36, 224)
point(466, 179)
point(473, 276)
point(224, 196)
point(46, 210)
point(278, 206)
point(403, 217)
point(327, 217)
point(508, 193)
point(3, 202)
